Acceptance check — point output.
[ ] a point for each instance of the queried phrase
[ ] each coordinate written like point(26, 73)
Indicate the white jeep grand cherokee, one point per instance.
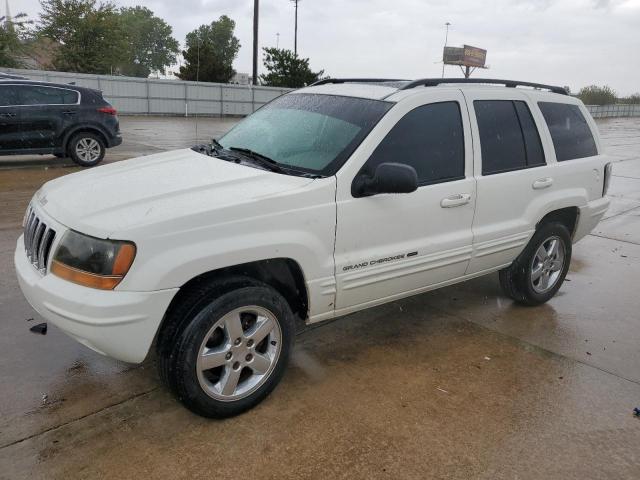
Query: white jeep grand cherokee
point(328, 200)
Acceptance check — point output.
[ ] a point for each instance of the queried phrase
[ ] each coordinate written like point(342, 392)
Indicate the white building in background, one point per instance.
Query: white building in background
point(240, 79)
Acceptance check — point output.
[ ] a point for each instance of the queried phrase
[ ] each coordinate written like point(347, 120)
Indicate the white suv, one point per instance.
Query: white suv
point(328, 200)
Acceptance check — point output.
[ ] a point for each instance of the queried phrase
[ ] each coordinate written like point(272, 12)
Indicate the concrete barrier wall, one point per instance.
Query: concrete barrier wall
point(149, 96)
point(615, 110)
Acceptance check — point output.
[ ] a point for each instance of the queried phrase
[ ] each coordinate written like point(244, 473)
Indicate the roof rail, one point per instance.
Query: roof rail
point(432, 82)
point(356, 80)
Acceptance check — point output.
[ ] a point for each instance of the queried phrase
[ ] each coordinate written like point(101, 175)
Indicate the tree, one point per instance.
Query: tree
point(286, 69)
point(150, 46)
point(210, 52)
point(631, 99)
point(594, 95)
point(89, 33)
point(13, 37)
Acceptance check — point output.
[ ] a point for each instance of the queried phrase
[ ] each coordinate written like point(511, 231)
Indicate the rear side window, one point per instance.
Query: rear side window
point(39, 95)
point(570, 132)
point(430, 139)
point(508, 136)
point(8, 95)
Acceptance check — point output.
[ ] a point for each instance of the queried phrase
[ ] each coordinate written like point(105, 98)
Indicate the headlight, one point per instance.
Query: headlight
point(92, 262)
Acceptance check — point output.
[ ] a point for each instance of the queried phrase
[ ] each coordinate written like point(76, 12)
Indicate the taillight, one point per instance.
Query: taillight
point(108, 110)
point(608, 168)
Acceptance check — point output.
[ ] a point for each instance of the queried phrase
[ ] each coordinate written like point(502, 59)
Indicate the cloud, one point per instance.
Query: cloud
point(566, 42)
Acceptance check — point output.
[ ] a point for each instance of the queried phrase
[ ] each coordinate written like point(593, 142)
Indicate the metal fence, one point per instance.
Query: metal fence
point(614, 110)
point(149, 96)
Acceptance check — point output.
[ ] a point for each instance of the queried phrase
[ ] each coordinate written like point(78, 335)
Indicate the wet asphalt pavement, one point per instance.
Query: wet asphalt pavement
point(455, 383)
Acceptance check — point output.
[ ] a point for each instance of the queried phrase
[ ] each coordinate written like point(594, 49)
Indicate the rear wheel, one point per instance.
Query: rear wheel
point(86, 149)
point(538, 273)
point(230, 351)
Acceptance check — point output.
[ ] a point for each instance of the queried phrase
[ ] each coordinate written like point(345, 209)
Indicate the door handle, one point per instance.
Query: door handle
point(10, 115)
point(542, 183)
point(455, 200)
point(70, 112)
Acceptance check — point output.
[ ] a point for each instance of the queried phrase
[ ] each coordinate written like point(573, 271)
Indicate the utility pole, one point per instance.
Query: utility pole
point(278, 40)
point(256, 7)
point(295, 36)
point(446, 38)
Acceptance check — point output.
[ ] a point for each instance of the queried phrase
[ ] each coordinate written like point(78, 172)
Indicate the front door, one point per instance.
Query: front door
point(10, 129)
point(394, 245)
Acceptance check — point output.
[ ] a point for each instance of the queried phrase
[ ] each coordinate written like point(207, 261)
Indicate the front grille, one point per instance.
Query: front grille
point(38, 238)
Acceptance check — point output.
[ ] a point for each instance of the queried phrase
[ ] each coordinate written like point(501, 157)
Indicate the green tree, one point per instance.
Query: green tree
point(89, 33)
point(631, 99)
point(210, 52)
point(13, 38)
point(286, 69)
point(594, 95)
point(150, 44)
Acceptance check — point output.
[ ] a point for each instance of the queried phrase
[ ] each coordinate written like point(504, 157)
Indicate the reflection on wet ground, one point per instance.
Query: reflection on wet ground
point(454, 383)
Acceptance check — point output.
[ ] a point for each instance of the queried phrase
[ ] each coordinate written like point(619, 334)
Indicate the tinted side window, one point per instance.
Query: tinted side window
point(570, 132)
point(428, 138)
point(37, 95)
point(508, 136)
point(532, 143)
point(8, 95)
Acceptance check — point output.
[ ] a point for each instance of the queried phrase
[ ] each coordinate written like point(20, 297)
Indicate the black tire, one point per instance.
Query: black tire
point(516, 280)
point(188, 323)
point(88, 138)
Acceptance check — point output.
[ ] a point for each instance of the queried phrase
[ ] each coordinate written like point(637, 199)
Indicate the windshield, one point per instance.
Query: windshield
point(314, 133)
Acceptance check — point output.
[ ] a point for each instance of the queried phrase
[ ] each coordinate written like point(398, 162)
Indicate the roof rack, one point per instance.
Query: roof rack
point(432, 82)
point(324, 81)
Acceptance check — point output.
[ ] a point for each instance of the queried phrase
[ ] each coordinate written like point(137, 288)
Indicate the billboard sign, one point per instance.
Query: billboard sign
point(467, 56)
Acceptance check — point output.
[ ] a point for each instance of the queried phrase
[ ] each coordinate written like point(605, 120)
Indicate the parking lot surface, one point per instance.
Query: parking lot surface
point(455, 383)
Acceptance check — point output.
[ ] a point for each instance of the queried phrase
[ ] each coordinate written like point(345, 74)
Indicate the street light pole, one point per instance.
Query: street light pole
point(256, 8)
point(295, 35)
point(446, 38)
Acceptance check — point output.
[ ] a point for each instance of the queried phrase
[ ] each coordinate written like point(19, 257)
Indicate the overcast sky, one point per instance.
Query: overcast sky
point(563, 42)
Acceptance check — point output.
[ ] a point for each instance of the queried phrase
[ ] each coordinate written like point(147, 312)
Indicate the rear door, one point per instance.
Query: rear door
point(511, 173)
point(393, 245)
point(46, 114)
point(10, 129)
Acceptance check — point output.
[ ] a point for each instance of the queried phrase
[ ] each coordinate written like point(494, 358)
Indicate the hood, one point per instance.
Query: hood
point(134, 193)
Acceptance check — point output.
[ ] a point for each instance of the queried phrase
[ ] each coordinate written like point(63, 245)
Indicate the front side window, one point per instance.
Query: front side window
point(311, 132)
point(8, 96)
point(570, 132)
point(509, 138)
point(40, 95)
point(430, 139)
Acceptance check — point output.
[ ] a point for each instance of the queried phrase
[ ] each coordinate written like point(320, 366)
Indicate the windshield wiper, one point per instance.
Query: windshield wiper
point(263, 160)
point(216, 144)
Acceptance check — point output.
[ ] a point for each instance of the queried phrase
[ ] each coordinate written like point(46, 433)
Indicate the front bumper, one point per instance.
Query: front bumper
point(118, 324)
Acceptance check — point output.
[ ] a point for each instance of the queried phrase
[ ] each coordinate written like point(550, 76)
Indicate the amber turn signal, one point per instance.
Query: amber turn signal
point(103, 282)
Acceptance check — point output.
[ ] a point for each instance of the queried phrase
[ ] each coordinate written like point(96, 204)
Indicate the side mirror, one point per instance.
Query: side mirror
point(389, 178)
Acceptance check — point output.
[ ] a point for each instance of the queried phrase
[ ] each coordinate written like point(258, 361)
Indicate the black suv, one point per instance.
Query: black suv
point(50, 118)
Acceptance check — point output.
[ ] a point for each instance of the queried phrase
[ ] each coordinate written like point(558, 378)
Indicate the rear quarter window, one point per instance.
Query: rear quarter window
point(41, 95)
point(570, 132)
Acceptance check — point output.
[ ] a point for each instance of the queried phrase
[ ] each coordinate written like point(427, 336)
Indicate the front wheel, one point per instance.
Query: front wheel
point(538, 273)
point(231, 351)
point(86, 149)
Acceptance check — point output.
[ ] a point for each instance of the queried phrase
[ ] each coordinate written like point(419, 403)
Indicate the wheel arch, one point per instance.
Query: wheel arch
point(86, 129)
point(568, 216)
point(283, 274)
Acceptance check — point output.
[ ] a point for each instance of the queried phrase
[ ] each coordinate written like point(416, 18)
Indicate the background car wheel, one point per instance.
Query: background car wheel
point(229, 350)
point(538, 273)
point(86, 149)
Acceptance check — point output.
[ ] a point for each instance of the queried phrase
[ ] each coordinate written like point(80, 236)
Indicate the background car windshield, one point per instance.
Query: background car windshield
point(315, 133)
